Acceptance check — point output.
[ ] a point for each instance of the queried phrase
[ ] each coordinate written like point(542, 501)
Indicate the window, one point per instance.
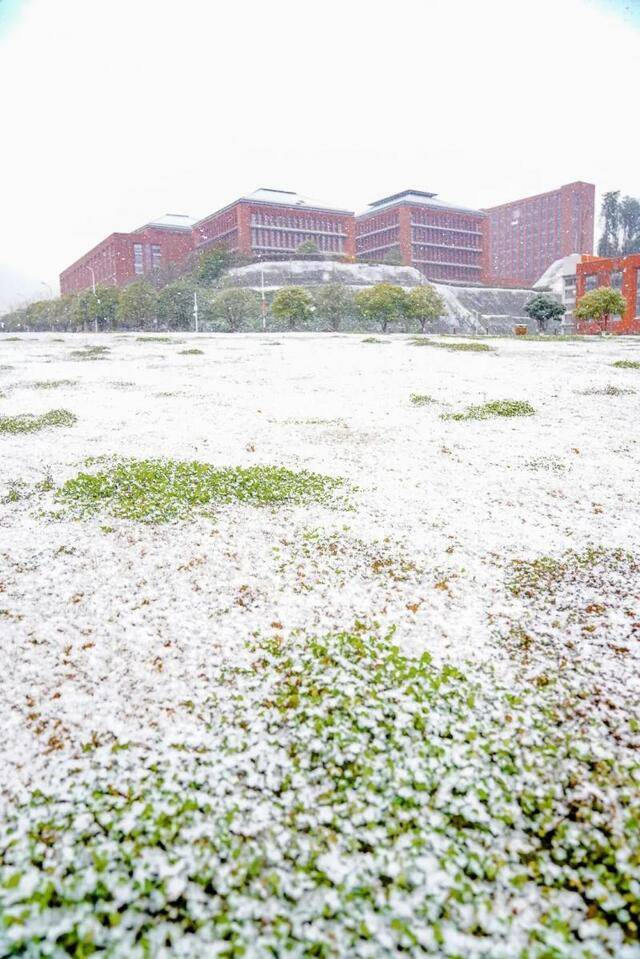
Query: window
point(138, 263)
point(156, 256)
point(590, 281)
point(616, 280)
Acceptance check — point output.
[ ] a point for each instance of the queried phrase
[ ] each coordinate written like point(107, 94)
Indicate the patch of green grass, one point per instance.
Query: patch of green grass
point(627, 364)
point(158, 339)
point(529, 578)
point(48, 384)
point(31, 423)
point(551, 463)
point(159, 490)
point(421, 399)
point(90, 353)
point(493, 409)
point(350, 801)
point(455, 347)
point(374, 339)
point(12, 339)
point(193, 352)
point(608, 391)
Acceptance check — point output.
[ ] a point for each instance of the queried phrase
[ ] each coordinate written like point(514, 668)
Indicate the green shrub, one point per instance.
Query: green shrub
point(494, 408)
point(374, 339)
point(158, 490)
point(193, 352)
point(421, 399)
point(31, 423)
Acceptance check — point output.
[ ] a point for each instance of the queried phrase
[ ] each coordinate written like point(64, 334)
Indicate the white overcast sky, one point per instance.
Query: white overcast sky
point(117, 111)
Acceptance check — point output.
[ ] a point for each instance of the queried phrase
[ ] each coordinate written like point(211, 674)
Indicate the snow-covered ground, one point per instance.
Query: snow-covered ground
point(108, 627)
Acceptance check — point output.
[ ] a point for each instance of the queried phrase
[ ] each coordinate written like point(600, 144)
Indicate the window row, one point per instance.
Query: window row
point(469, 241)
point(446, 220)
point(297, 223)
point(146, 257)
point(438, 254)
point(378, 240)
point(291, 241)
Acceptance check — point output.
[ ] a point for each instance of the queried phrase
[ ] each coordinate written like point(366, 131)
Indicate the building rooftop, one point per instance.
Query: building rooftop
point(170, 221)
point(419, 198)
point(288, 198)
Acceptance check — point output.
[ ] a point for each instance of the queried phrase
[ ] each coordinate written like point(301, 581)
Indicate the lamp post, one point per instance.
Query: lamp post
point(93, 287)
point(263, 303)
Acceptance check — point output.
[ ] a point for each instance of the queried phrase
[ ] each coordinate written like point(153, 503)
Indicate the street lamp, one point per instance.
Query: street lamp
point(93, 286)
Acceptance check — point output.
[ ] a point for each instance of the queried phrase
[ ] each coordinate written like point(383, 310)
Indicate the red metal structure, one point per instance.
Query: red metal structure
point(620, 273)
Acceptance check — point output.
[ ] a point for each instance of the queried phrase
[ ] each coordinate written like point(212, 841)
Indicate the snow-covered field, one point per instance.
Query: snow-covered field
point(185, 773)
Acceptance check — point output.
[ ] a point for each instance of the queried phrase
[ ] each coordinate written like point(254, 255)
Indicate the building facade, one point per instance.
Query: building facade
point(620, 273)
point(122, 258)
point(274, 224)
point(526, 236)
point(442, 240)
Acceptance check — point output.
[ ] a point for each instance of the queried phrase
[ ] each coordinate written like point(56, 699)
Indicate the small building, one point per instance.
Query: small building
point(441, 239)
point(620, 273)
point(122, 258)
point(525, 237)
point(560, 279)
point(276, 223)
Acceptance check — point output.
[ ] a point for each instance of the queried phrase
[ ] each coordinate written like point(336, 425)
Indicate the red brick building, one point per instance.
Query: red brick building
point(124, 257)
point(442, 240)
point(525, 236)
point(274, 224)
point(620, 273)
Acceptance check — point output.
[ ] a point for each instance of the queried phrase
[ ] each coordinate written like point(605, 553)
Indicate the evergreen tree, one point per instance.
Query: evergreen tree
point(293, 305)
point(598, 305)
point(382, 303)
point(543, 308)
point(333, 302)
point(137, 306)
point(424, 304)
point(175, 305)
point(212, 265)
point(236, 308)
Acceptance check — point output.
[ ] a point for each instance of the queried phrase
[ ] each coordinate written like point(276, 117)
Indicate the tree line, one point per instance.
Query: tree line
point(141, 306)
point(620, 218)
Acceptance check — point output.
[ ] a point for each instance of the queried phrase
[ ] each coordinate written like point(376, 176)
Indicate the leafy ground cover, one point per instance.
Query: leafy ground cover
point(32, 423)
point(627, 364)
point(90, 353)
point(472, 347)
point(343, 799)
point(156, 491)
point(610, 390)
point(486, 411)
point(48, 384)
point(421, 399)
